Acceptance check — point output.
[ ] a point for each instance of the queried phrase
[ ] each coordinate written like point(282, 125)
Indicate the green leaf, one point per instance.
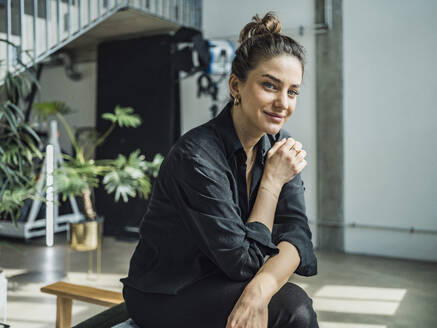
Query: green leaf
point(128, 176)
point(144, 188)
point(31, 132)
point(46, 109)
point(109, 116)
point(11, 201)
point(123, 116)
point(154, 166)
point(17, 110)
point(12, 121)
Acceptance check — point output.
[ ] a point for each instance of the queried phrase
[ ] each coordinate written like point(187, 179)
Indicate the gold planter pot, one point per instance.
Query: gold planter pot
point(86, 236)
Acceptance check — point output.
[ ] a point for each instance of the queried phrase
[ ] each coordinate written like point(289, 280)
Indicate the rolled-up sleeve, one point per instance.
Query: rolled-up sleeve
point(291, 225)
point(203, 196)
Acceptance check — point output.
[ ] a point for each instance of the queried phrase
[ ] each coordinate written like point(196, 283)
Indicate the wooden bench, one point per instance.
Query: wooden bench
point(67, 292)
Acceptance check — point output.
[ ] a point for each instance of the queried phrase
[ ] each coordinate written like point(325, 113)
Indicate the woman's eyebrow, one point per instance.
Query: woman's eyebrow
point(279, 81)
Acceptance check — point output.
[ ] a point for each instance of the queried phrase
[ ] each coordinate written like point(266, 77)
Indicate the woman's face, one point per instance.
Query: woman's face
point(268, 97)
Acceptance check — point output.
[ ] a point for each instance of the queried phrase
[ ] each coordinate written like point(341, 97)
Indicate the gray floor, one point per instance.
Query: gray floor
point(352, 291)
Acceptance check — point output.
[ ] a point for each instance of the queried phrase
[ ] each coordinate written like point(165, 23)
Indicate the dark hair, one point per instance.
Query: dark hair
point(262, 39)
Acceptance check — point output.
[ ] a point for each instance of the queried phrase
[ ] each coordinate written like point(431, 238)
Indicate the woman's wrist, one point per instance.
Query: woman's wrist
point(271, 185)
point(262, 287)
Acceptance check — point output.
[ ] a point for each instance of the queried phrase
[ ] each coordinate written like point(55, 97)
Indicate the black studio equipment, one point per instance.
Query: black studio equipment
point(144, 74)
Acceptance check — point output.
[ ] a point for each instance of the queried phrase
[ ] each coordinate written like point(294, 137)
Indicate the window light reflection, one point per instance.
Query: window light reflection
point(323, 324)
point(357, 299)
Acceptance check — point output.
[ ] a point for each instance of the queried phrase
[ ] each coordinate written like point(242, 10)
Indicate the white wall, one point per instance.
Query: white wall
point(225, 19)
point(80, 96)
point(390, 126)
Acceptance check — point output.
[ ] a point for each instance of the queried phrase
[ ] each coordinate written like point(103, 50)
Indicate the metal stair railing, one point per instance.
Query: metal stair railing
point(35, 29)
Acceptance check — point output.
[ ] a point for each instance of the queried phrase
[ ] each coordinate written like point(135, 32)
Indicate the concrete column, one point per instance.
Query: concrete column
point(329, 102)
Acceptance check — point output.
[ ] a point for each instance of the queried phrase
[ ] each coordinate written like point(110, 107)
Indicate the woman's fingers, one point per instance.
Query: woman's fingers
point(297, 146)
point(244, 316)
point(301, 165)
point(288, 144)
point(276, 146)
point(301, 155)
point(285, 160)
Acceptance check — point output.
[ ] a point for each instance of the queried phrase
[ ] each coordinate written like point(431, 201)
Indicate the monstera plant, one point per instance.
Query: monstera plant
point(125, 176)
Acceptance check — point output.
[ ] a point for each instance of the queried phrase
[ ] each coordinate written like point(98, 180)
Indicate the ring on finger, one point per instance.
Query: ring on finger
point(295, 150)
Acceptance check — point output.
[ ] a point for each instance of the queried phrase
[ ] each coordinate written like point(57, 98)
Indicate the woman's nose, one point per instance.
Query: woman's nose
point(282, 100)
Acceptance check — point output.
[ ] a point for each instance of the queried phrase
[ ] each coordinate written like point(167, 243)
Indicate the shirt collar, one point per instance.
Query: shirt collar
point(226, 129)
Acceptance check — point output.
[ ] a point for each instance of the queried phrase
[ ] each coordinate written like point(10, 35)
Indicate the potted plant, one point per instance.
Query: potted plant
point(125, 176)
point(19, 143)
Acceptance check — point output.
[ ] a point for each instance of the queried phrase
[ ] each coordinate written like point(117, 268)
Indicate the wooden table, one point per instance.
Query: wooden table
point(66, 293)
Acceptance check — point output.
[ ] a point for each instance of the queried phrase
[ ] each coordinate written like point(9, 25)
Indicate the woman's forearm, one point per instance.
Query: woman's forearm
point(266, 201)
point(274, 273)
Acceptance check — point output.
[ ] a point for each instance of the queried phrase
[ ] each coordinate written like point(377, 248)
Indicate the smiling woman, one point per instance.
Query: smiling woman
point(269, 94)
point(226, 224)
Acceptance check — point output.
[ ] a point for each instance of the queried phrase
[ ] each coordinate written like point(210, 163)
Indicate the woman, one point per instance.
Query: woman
point(226, 226)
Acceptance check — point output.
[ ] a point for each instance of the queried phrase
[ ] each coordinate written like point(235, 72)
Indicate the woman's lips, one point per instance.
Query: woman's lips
point(274, 117)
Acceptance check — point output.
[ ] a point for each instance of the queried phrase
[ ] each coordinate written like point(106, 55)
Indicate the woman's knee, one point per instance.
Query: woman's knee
point(305, 316)
point(294, 307)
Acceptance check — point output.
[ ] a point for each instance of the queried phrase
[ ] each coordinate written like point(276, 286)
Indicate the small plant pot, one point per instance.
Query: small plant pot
point(86, 235)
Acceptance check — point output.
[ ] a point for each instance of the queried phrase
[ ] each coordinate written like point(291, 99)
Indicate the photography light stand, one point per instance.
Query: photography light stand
point(53, 159)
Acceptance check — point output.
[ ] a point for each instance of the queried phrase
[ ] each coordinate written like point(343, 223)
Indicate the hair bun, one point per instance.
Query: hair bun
point(268, 24)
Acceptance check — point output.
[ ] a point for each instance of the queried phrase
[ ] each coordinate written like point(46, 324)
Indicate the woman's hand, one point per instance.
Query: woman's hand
point(285, 160)
point(250, 311)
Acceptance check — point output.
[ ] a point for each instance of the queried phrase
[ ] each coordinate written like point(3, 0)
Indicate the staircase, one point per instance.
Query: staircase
point(37, 29)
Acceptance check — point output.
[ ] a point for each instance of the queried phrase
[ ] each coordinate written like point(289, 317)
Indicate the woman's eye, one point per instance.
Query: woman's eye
point(269, 85)
point(293, 93)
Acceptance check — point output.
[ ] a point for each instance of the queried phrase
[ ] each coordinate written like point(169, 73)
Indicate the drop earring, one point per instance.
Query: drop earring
point(237, 101)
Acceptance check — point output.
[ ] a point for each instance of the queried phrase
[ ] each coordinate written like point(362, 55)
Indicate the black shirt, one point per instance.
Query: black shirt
point(195, 223)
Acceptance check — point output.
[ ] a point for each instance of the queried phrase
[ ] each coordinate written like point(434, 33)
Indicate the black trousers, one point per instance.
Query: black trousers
point(208, 303)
